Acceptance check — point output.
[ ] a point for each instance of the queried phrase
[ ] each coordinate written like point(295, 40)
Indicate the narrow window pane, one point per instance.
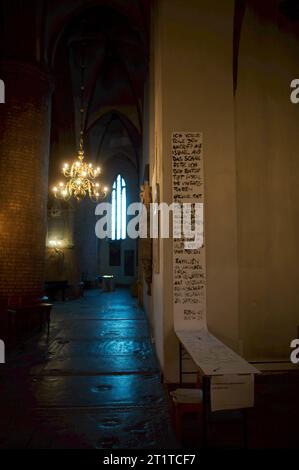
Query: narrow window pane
point(113, 214)
point(118, 205)
point(124, 213)
point(119, 209)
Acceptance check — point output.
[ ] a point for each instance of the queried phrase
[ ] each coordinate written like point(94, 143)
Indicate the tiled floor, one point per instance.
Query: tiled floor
point(93, 383)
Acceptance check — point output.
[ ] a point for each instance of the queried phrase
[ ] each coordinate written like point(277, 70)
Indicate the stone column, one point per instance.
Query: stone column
point(193, 91)
point(24, 160)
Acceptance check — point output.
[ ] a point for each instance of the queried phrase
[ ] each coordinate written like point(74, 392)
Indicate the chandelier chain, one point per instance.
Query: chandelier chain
point(80, 175)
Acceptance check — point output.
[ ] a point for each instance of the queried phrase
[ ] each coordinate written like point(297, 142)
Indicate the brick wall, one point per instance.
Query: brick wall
point(24, 156)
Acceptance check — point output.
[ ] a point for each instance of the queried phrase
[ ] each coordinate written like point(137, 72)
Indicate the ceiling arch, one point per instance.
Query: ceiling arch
point(61, 16)
point(111, 39)
point(110, 118)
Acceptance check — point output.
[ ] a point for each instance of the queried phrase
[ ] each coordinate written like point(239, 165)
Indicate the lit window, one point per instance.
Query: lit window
point(119, 209)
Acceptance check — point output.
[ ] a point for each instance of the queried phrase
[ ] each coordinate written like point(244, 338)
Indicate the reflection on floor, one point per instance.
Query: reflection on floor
point(94, 383)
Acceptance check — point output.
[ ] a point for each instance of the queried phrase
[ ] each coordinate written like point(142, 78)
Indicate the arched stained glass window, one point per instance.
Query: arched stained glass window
point(119, 209)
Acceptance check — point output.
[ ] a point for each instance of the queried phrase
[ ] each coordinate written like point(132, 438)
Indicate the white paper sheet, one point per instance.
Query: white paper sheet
point(232, 392)
point(212, 356)
point(189, 271)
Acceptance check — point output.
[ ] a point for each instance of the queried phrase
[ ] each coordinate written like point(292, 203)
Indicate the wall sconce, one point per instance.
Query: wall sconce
point(57, 245)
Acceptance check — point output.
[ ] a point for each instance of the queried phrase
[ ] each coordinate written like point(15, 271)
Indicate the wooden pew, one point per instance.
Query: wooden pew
point(54, 287)
point(24, 314)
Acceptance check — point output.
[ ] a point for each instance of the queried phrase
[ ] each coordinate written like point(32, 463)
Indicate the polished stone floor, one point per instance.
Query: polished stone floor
point(94, 382)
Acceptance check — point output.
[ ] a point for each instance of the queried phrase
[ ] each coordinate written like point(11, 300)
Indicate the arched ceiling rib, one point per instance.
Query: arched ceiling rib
point(116, 65)
point(109, 124)
point(61, 14)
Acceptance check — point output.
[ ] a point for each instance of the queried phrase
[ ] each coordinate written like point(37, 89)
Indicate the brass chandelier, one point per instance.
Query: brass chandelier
point(81, 180)
point(81, 176)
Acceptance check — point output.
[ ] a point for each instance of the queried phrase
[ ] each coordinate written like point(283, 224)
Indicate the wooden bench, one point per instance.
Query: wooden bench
point(24, 315)
point(54, 287)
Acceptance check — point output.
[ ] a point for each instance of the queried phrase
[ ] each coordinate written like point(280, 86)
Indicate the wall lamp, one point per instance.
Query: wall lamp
point(57, 245)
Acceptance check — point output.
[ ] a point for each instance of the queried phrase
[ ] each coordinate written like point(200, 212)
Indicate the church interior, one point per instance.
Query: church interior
point(114, 341)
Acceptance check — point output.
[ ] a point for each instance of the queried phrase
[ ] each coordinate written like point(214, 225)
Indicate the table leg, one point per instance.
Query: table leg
point(245, 428)
point(181, 364)
point(205, 410)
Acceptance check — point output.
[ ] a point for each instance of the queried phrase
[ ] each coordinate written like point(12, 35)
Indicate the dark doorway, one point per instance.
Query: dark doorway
point(129, 263)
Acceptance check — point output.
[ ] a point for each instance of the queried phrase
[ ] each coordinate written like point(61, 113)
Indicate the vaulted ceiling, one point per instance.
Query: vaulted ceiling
point(113, 42)
point(115, 34)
